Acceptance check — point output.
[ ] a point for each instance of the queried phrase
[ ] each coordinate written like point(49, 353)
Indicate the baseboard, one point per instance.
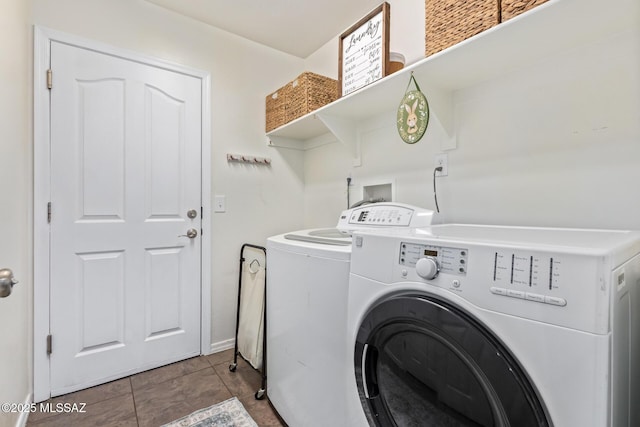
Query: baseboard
point(22, 419)
point(219, 346)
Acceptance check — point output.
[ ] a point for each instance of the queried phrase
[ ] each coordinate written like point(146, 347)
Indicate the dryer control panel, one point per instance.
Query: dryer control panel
point(448, 260)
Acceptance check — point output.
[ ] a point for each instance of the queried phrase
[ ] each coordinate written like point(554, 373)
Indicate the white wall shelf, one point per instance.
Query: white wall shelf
point(549, 29)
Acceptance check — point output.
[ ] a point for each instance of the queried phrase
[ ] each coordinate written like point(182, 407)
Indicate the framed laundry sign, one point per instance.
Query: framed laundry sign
point(364, 51)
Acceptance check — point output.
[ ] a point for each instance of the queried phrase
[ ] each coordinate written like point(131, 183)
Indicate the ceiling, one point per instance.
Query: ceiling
point(297, 27)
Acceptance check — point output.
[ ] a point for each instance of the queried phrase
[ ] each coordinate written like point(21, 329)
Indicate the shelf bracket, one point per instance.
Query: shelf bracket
point(441, 106)
point(300, 144)
point(281, 142)
point(345, 131)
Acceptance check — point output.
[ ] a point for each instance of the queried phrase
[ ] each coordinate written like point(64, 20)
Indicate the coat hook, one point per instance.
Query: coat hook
point(248, 159)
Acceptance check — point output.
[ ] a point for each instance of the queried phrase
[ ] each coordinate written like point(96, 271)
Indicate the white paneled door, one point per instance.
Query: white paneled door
point(126, 203)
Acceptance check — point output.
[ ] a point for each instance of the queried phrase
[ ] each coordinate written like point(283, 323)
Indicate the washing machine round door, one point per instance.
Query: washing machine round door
point(420, 360)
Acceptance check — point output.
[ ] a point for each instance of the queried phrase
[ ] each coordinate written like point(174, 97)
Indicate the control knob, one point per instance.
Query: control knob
point(427, 268)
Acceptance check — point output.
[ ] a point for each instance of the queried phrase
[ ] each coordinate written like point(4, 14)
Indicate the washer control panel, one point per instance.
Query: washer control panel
point(532, 277)
point(384, 215)
point(532, 270)
point(483, 267)
point(514, 274)
point(447, 259)
point(381, 215)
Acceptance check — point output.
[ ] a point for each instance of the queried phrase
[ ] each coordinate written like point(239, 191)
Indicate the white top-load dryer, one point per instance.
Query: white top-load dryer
point(307, 276)
point(494, 326)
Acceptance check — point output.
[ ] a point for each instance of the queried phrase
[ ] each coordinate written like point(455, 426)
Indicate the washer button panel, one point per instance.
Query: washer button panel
point(545, 299)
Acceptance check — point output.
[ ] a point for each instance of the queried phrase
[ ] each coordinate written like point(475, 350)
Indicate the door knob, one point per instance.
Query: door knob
point(191, 233)
point(6, 282)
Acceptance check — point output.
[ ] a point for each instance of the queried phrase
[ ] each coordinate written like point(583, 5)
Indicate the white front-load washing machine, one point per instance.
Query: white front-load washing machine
point(494, 326)
point(307, 278)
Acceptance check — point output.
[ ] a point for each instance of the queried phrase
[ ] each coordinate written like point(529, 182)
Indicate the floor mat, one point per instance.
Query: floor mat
point(229, 413)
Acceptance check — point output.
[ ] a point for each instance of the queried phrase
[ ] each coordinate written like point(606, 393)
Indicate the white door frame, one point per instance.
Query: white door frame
point(42, 171)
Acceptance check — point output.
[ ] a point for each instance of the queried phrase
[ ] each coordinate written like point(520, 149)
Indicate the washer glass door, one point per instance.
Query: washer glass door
point(422, 361)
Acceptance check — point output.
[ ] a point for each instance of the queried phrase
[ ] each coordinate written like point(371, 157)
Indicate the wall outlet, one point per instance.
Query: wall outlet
point(219, 203)
point(442, 160)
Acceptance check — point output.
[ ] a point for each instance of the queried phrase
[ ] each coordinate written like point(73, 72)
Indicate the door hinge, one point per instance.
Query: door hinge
point(49, 212)
point(49, 349)
point(49, 78)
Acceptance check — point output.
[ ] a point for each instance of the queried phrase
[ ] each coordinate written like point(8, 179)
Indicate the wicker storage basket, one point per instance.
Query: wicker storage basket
point(511, 8)
point(448, 22)
point(308, 92)
point(275, 109)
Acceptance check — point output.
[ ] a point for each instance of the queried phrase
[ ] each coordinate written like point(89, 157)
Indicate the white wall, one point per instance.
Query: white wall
point(261, 201)
point(554, 144)
point(15, 188)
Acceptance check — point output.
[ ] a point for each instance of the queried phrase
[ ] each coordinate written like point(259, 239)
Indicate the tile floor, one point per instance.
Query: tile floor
point(159, 396)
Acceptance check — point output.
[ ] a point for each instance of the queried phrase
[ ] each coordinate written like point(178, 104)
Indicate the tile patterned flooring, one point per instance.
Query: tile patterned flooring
point(162, 395)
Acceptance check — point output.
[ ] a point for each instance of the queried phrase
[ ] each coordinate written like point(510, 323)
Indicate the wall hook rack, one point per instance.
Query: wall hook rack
point(248, 159)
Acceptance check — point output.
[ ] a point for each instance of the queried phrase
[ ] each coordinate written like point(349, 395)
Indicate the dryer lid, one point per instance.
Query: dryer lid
point(341, 240)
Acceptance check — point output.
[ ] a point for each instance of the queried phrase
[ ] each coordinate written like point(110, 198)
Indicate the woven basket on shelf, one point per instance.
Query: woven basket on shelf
point(275, 109)
point(511, 8)
point(308, 92)
point(448, 22)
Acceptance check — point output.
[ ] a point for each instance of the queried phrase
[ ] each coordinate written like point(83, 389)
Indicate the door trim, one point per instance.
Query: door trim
point(42, 190)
